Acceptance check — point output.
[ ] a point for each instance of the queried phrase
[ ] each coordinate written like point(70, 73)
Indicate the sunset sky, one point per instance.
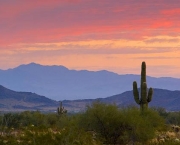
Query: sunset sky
point(114, 35)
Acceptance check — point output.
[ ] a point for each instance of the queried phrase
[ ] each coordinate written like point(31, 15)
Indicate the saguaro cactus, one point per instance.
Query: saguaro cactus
point(145, 99)
point(61, 110)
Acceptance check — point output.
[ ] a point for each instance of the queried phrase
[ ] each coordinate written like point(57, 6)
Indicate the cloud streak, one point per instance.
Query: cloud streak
point(158, 44)
point(85, 34)
point(54, 21)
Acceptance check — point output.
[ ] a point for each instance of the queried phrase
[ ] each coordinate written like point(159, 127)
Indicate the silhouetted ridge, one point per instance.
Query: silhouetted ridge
point(20, 100)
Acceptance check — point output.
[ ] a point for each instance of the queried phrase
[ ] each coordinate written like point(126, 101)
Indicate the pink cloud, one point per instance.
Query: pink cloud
point(53, 21)
point(171, 12)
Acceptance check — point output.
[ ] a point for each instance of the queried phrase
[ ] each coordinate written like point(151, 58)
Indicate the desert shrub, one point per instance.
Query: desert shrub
point(120, 126)
point(48, 136)
point(143, 126)
point(10, 120)
point(161, 111)
point(105, 120)
point(173, 118)
point(32, 117)
point(170, 117)
point(51, 120)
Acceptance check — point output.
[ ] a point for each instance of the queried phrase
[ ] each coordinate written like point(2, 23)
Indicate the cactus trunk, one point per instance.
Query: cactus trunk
point(61, 110)
point(145, 98)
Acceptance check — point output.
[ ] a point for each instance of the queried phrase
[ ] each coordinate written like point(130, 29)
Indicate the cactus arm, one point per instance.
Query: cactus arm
point(150, 93)
point(136, 93)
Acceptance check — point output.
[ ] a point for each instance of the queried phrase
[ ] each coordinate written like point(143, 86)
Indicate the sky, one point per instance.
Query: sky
point(114, 35)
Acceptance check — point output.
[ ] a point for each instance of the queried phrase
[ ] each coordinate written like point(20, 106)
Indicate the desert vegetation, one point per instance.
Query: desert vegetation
point(99, 124)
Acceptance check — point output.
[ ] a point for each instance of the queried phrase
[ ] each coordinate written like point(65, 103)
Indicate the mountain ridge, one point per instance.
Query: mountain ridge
point(19, 101)
point(162, 98)
point(23, 101)
point(59, 83)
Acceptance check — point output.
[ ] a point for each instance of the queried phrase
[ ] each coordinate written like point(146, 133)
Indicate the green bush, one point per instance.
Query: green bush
point(173, 118)
point(143, 126)
point(122, 126)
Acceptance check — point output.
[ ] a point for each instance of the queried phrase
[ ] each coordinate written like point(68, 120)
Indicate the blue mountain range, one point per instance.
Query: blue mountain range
point(61, 83)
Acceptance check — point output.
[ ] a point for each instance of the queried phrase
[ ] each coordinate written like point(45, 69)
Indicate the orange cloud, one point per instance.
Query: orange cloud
point(91, 34)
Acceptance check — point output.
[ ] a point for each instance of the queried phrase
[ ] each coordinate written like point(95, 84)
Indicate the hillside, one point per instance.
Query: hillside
point(21, 101)
point(161, 98)
point(61, 83)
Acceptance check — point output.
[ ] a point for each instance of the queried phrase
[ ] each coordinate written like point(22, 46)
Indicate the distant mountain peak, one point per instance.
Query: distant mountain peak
point(32, 64)
point(35, 66)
